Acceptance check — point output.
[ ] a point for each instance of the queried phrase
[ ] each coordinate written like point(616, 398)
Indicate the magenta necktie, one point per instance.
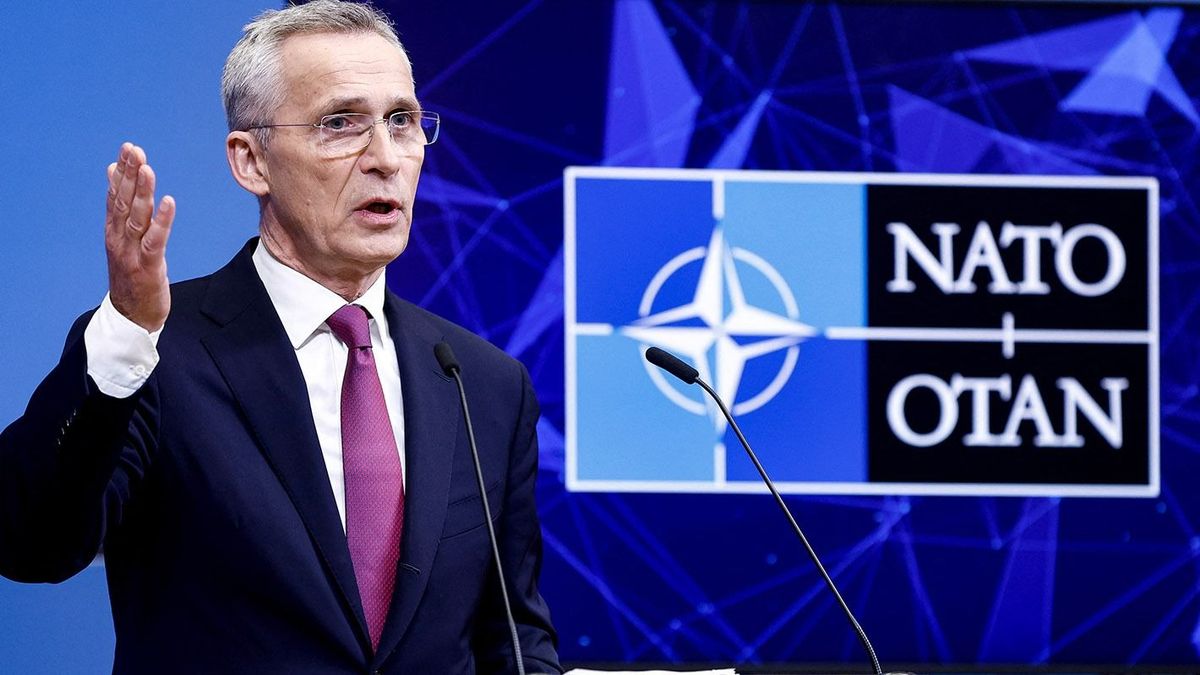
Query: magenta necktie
point(374, 479)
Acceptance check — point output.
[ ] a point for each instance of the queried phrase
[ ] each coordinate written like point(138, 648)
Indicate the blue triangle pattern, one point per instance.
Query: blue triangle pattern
point(1123, 81)
point(434, 188)
point(551, 447)
point(929, 137)
point(1076, 48)
point(1124, 56)
point(544, 310)
point(1172, 91)
point(1014, 632)
point(1163, 25)
point(732, 153)
point(652, 103)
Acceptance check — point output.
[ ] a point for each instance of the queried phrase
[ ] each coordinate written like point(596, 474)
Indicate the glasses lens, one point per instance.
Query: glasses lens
point(413, 127)
point(345, 132)
point(431, 124)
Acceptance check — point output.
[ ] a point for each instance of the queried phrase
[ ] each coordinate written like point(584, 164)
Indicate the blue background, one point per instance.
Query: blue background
point(77, 83)
point(528, 87)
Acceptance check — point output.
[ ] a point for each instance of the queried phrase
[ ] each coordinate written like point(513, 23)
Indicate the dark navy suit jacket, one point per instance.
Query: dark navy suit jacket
point(222, 543)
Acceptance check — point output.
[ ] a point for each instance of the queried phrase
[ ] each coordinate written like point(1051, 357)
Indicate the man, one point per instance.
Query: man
point(272, 459)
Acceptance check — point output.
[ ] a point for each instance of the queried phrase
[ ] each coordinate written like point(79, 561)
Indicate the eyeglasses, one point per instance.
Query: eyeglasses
point(348, 133)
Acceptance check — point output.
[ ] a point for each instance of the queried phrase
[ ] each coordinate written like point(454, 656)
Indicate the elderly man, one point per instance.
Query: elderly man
point(273, 461)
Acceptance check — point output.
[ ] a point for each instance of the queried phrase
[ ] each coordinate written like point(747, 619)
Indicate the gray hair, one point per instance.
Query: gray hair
point(251, 84)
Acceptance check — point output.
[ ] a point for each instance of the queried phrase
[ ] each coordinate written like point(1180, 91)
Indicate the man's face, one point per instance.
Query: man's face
point(340, 218)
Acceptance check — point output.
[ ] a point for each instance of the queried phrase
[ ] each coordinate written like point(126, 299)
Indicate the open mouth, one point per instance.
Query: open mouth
point(380, 207)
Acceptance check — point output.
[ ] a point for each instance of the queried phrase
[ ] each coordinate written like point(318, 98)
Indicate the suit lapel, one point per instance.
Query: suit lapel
point(257, 360)
point(431, 426)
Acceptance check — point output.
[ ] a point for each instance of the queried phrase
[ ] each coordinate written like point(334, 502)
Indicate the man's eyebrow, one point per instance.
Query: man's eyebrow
point(353, 102)
point(343, 103)
point(405, 103)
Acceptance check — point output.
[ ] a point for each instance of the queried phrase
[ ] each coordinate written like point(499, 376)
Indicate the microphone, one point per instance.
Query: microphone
point(449, 364)
point(671, 363)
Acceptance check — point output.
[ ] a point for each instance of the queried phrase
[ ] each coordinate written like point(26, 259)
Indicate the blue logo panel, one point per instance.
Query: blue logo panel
point(630, 225)
point(813, 429)
point(634, 434)
point(813, 235)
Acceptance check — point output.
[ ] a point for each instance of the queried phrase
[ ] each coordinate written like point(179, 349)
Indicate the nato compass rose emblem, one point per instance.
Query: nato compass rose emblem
point(718, 330)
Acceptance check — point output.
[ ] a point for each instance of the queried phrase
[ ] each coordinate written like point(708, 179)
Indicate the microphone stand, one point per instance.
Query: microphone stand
point(671, 363)
point(449, 364)
point(858, 629)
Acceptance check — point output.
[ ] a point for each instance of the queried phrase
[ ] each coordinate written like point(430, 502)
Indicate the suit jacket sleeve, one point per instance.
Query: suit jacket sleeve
point(66, 469)
point(520, 539)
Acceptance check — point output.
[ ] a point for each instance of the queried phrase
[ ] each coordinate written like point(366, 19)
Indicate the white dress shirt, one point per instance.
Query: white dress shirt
point(121, 355)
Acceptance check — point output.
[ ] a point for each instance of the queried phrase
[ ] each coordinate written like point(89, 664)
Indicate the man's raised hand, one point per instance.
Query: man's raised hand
point(135, 237)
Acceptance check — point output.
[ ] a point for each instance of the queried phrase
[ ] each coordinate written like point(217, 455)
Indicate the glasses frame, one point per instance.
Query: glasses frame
point(421, 116)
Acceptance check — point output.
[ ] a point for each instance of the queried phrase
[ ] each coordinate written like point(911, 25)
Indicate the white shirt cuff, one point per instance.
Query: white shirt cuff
point(120, 354)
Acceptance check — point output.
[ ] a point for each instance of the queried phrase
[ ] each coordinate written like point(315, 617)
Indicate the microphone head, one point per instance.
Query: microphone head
point(445, 358)
point(670, 363)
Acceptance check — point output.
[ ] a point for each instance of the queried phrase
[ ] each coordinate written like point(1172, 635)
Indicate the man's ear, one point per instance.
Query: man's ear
point(247, 162)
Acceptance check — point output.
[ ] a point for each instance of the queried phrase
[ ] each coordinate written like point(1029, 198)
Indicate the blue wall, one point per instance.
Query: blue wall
point(78, 80)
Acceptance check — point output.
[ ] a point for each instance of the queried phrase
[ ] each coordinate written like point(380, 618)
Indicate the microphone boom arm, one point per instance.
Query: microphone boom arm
point(449, 364)
point(858, 629)
point(689, 375)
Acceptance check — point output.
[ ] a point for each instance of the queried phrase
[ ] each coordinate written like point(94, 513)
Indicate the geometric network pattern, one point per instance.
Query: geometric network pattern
point(526, 88)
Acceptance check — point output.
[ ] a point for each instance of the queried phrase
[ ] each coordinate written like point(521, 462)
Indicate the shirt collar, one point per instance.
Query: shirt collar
point(303, 305)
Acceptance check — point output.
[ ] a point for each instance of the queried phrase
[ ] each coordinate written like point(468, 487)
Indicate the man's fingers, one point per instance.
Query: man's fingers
point(132, 158)
point(166, 213)
point(155, 240)
point(118, 168)
point(111, 197)
point(142, 206)
point(116, 172)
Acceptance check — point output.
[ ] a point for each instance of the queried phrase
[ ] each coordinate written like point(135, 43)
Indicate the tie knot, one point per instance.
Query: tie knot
point(350, 326)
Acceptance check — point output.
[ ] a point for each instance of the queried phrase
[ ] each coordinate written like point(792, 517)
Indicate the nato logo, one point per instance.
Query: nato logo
point(872, 333)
